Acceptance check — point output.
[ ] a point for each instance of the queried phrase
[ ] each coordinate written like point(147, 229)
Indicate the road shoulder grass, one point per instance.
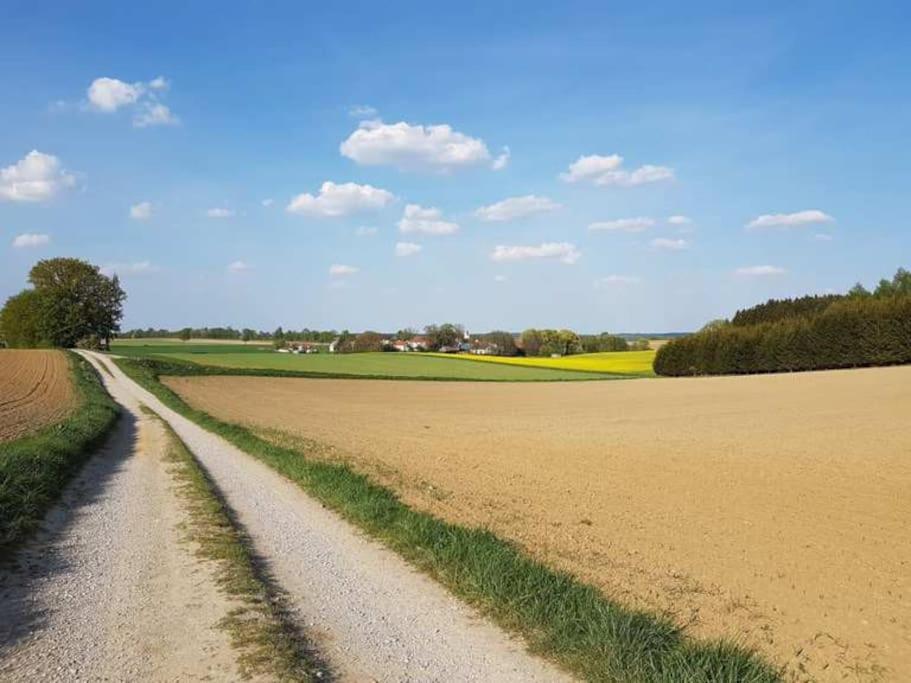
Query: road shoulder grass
point(259, 627)
point(560, 618)
point(35, 469)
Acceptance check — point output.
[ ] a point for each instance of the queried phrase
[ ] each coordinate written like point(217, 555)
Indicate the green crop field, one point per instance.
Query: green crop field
point(398, 365)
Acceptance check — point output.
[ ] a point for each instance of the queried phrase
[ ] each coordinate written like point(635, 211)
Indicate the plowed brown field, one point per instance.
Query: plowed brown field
point(774, 510)
point(35, 391)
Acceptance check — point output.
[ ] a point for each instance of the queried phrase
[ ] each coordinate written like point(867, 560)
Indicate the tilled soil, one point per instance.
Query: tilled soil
point(773, 509)
point(35, 391)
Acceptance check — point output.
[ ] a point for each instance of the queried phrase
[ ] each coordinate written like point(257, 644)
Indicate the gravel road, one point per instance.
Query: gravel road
point(371, 615)
point(107, 589)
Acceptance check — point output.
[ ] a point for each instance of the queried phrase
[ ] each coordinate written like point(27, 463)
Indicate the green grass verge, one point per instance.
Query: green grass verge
point(564, 620)
point(259, 627)
point(226, 359)
point(35, 468)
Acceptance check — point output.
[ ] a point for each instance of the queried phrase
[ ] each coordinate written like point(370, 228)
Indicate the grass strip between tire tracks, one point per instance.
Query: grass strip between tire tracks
point(568, 622)
point(35, 469)
point(259, 626)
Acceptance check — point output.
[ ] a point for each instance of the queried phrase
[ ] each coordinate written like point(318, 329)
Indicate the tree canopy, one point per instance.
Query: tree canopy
point(70, 302)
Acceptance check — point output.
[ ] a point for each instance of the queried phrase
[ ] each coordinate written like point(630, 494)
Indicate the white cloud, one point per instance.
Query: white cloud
point(127, 269)
point(239, 267)
point(759, 271)
point(789, 220)
point(823, 237)
point(608, 170)
point(426, 221)
point(340, 270)
point(340, 200)
point(35, 178)
point(669, 244)
point(616, 280)
point(30, 240)
point(516, 207)
point(500, 278)
point(110, 94)
point(366, 231)
point(563, 251)
point(154, 114)
point(623, 225)
point(679, 220)
point(409, 147)
point(362, 111)
point(267, 202)
point(220, 212)
point(407, 248)
point(502, 160)
point(141, 211)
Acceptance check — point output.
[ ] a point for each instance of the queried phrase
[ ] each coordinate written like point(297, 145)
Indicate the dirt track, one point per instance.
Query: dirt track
point(772, 509)
point(35, 391)
point(108, 589)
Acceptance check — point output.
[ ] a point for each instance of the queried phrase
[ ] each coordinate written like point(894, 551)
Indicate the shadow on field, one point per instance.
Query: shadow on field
point(24, 612)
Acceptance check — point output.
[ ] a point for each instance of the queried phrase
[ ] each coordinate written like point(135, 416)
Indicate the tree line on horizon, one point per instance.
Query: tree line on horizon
point(857, 329)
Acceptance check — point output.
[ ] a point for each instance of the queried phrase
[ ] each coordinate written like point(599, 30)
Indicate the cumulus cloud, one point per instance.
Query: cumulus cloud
point(127, 269)
point(108, 95)
point(36, 177)
point(340, 200)
point(785, 221)
point(30, 240)
point(141, 211)
point(562, 251)
point(502, 160)
point(341, 270)
point(220, 212)
point(154, 114)
point(239, 267)
point(366, 231)
point(759, 271)
point(669, 244)
point(417, 219)
point(616, 280)
point(516, 207)
point(407, 248)
point(608, 170)
point(623, 225)
point(679, 220)
point(409, 147)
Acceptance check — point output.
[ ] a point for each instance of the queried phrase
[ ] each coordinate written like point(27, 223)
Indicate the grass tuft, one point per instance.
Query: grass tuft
point(560, 618)
point(260, 627)
point(35, 469)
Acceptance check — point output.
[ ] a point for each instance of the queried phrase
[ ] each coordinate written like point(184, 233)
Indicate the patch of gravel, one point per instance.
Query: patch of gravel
point(371, 615)
point(107, 590)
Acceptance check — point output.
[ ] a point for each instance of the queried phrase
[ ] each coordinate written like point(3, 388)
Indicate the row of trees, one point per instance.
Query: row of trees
point(70, 303)
point(859, 329)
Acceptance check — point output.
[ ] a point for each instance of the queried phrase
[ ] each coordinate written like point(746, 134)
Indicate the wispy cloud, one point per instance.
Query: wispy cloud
point(141, 211)
point(514, 208)
point(220, 212)
point(608, 170)
point(128, 269)
point(565, 252)
point(29, 240)
point(759, 271)
point(669, 244)
point(616, 280)
point(239, 267)
point(623, 225)
point(341, 270)
point(785, 221)
point(407, 248)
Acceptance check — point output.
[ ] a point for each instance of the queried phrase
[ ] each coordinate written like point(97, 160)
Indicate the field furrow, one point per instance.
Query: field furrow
point(35, 391)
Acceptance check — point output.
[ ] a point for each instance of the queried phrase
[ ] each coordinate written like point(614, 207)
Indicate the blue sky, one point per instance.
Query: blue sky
point(798, 112)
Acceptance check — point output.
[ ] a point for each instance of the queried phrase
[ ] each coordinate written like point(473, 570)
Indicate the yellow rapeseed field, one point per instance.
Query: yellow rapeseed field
point(615, 362)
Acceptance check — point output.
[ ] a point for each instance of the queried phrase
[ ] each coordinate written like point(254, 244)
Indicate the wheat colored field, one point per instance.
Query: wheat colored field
point(35, 391)
point(769, 509)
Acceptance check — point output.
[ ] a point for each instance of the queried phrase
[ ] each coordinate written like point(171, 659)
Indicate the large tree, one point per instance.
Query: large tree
point(71, 301)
